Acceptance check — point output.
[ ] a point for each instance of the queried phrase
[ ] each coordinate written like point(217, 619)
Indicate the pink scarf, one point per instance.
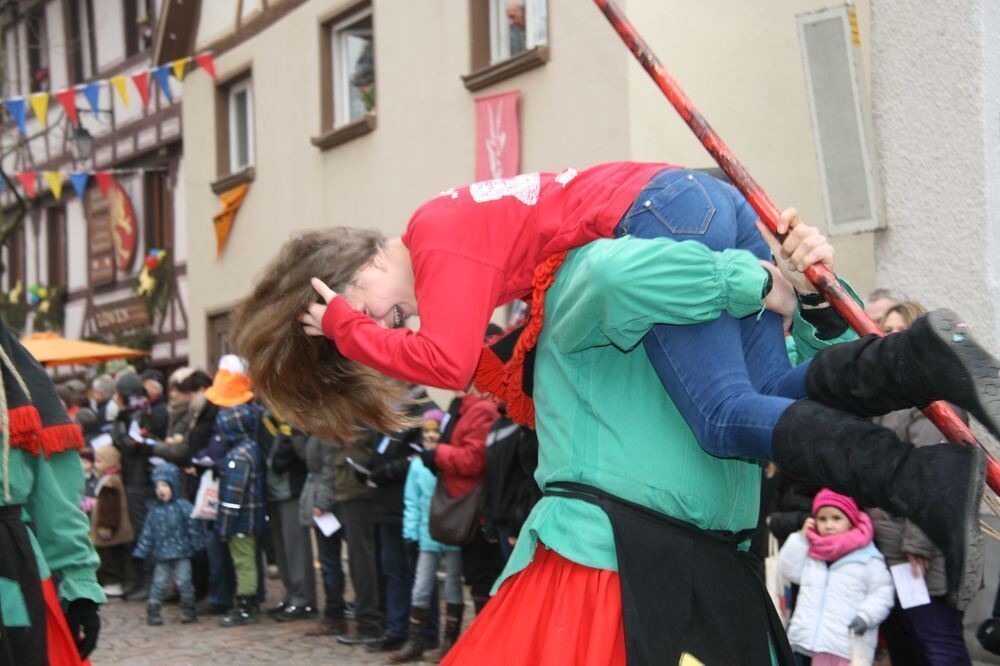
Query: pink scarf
point(832, 548)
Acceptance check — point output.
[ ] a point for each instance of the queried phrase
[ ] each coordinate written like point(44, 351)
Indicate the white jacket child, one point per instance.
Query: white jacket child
point(832, 595)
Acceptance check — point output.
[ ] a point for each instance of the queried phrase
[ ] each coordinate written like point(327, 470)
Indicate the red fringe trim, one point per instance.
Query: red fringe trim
point(59, 438)
point(505, 381)
point(25, 427)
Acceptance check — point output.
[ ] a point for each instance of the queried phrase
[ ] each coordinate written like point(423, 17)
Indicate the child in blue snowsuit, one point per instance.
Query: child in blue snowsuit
point(172, 538)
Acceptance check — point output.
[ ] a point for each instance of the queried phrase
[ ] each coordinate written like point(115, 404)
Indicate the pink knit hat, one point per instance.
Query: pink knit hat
point(827, 497)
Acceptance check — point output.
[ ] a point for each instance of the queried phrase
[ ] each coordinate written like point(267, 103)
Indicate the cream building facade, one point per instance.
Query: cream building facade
point(583, 100)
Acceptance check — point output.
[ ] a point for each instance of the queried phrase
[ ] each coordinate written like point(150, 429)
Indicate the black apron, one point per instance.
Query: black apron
point(21, 646)
point(685, 589)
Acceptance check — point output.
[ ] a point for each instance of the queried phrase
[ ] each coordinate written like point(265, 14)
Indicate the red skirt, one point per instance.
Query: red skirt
point(61, 646)
point(554, 612)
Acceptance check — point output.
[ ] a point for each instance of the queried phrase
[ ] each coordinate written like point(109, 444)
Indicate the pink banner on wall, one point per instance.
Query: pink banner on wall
point(498, 136)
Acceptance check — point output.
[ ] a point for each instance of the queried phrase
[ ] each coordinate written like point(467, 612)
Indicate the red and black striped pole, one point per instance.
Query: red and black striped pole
point(823, 278)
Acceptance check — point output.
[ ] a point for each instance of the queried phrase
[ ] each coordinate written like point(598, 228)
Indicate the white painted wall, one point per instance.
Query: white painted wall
point(109, 28)
point(58, 75)
point(935, 102)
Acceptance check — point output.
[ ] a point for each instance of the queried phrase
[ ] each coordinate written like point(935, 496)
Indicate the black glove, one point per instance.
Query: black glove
point(858, 625)
point(84, 618)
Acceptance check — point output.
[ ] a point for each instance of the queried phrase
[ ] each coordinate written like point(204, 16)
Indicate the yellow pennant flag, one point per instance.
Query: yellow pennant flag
point(179, 66)
point(55, 181)
point(121, 85)
point(40, 105)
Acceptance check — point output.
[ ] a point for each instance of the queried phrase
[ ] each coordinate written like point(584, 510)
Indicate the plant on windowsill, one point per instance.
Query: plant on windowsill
point(14, 310)
point(155, 282)
point(49, 307)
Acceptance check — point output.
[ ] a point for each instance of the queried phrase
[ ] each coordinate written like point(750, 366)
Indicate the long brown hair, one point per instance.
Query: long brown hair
point(306, 379)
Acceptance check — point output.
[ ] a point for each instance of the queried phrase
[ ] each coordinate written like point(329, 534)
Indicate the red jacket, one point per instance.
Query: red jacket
point(462, 462)
point(475, 248)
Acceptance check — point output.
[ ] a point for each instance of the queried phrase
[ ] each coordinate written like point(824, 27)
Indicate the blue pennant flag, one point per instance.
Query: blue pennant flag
point(79, 180)
point(162, 76)
point(92, 91)
point(15, 107)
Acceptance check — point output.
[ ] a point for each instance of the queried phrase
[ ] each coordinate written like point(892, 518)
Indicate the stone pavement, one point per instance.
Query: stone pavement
point(125, 639)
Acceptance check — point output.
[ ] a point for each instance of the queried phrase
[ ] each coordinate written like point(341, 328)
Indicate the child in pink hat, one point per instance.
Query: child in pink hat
point(845, 588)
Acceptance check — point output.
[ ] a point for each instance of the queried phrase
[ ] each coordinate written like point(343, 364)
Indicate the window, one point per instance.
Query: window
point(240, 126)
point(508, 37)
point(353, 53)
point(159, 231)
point(515, 27)
point(840, 129)
point(218, 337)
point(80, 22)
point(138, 25)
point(55, 234)
point(38, 51)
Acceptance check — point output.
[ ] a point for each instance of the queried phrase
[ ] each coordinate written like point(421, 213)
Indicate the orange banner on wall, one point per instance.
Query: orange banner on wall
point(231, 202)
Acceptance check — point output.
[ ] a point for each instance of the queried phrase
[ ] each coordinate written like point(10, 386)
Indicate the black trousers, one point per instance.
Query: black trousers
point(22, 627)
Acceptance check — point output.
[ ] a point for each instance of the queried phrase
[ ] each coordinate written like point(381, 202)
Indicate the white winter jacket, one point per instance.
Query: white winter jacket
point(830, 596)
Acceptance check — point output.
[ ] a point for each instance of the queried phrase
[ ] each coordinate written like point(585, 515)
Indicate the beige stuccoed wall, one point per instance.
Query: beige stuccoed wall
point(572, 113)
point(741, 64)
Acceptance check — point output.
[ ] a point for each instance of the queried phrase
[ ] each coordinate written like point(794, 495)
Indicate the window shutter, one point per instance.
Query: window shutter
point(838, 120)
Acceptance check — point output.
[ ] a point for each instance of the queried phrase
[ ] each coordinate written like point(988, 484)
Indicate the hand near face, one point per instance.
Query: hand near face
point(312, 319)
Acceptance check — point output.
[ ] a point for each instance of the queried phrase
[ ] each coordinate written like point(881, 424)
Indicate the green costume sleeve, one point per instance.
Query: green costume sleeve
point(805, 344)
point(62, 527)
point(625, 286)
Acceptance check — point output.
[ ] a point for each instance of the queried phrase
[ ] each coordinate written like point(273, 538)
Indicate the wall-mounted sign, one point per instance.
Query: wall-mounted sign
point(101, 251)
point(123, 315)
point(124, 227)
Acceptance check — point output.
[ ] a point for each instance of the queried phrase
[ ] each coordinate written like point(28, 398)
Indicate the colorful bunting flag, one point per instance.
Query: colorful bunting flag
point(179, 66)
point(206, 62)
point(27, 180)
point(103, 179)
point(67, 98)
point(162, 76)
point(141, 81)
point(92, 91)
point(120, 84)
point(79, 180)
point(40, 105)
point(55, 181)
point(15, 107)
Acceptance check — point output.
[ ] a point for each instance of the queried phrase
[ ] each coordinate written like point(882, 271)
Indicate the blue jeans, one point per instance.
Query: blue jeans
point(398, 578)
point(180, 571)
point(333, 574)
point(730, 378)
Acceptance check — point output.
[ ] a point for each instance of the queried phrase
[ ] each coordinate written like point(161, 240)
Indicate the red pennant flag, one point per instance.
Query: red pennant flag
point(141, 81)
point(103, 179)
point(68, 100)
point(206, 62)
point(27, 180)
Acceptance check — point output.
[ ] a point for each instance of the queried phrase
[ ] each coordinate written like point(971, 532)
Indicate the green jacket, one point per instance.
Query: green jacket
point(602, 415)
point(50, 490)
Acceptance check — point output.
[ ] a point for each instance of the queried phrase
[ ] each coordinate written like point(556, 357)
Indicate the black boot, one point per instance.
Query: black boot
point(413, 649)
point(153, 617)
point(188, 614)
point(936, 359)
point(244, 613)
point(452, 628)
point(937, 487)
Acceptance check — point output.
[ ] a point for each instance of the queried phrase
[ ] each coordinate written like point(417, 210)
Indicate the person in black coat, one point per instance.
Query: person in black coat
point(286, 476)
point(511, 491)
point(389, 463)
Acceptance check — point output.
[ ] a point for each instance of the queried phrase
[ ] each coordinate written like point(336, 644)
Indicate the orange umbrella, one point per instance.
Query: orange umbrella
point(52, 349)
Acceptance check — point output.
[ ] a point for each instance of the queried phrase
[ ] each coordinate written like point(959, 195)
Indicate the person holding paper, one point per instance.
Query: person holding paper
point(845, 588)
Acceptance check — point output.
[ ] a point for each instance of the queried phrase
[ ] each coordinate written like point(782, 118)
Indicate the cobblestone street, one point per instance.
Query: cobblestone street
point(126, 640)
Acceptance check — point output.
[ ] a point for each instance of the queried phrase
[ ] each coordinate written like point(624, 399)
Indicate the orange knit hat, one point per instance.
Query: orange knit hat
point(231, 386)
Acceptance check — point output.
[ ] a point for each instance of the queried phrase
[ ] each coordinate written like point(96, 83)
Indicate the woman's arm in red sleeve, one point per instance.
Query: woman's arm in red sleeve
point(466, 454)
point(456, 297)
